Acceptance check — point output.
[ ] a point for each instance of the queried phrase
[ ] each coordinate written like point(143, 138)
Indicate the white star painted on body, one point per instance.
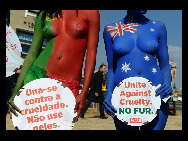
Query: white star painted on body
point(152, 29)
point(125, 67)
point(154, 70)
point(153, 22)
point(146, 58)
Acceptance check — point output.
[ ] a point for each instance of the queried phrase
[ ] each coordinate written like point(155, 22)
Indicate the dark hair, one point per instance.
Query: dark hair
point(101, 66)
point(50, 13)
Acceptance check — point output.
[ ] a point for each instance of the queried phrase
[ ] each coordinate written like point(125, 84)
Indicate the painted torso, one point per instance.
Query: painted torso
point(66, 46)
point(135, 47)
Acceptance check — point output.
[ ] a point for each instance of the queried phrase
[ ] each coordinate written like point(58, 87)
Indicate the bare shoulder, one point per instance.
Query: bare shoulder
point(93, 14)
point(160, 25)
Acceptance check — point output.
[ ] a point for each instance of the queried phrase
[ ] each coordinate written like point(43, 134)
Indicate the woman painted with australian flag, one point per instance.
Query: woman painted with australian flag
point(133, 47)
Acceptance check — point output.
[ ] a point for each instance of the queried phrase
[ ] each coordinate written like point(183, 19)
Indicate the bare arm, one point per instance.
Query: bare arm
point(30, 59)
point(93, 37)
point(163, 58)
point(110, 76)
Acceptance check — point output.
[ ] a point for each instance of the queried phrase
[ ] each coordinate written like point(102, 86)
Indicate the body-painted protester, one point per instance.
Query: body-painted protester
point(69, 34)
point(133, 47)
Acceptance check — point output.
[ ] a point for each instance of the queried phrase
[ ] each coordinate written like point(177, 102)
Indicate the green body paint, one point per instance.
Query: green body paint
point(43, 58)
point(33, 60)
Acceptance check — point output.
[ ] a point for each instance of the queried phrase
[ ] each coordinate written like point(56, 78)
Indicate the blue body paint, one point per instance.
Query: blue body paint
point(134, 45)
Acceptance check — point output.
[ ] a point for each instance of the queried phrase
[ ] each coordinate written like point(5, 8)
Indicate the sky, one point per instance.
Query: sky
point(173, 22)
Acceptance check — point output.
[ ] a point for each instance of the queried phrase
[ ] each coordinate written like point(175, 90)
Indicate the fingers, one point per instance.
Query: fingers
point(108, 104)
point(78, 114)
point(163, 91)
point(162, 86)
point(14, 112)
point(10, 114)
point(76, 107)
point(109, 112)
point(12, 107)
point(76, 110)
point(109, 109)
point(167, 92)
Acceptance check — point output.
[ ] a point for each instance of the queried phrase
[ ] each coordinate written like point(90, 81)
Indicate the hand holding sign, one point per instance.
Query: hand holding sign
point(109, 108)
point(164, 91)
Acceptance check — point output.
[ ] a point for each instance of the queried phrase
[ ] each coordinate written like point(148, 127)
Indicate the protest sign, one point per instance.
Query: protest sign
point(45, 104)
point(135, 101)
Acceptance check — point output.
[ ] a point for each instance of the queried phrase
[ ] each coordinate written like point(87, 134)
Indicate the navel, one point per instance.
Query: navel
point(60, 57)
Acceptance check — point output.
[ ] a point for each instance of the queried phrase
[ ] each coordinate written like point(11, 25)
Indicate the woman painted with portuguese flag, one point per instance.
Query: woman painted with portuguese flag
point(69, 34)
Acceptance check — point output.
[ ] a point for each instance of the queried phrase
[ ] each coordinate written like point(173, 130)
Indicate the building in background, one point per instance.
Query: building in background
point(23, 22)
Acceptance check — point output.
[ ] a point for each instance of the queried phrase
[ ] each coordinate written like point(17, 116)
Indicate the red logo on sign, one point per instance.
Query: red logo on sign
point(135, 120)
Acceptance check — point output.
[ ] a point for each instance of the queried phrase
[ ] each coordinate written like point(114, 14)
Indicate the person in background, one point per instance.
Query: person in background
point(95, 94)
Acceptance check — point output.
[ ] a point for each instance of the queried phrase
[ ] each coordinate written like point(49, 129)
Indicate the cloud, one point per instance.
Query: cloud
point(175, 53)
